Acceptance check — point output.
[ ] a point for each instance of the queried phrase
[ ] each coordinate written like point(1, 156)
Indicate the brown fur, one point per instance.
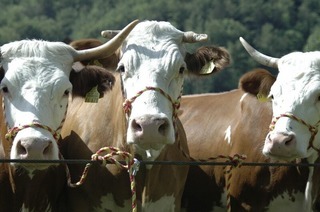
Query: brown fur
point(257, 81)
point(105, 126)
point(197, 60)
point(252, 187)
point(88, 78)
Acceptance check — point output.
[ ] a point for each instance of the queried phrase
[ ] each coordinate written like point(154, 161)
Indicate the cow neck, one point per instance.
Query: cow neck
point(6, 146)
point(313, 129)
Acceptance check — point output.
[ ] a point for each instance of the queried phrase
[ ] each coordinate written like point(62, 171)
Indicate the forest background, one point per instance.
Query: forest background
point(274, 27)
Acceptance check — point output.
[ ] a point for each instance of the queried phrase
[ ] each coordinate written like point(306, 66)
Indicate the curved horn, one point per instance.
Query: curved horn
point(192, 37)
point(258, 56)
point(106, 49)
point(109, 33)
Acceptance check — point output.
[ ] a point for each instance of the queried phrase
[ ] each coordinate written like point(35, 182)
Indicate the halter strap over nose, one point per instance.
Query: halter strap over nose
point(312, 129)
point(14, 131)
point(127, 104)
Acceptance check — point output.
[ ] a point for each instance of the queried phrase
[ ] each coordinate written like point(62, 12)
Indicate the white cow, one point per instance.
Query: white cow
point(153, 63)
point(296, 109)
point(36, 81)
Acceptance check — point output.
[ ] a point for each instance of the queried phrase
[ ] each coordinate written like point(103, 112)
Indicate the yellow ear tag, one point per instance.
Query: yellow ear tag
point(208, 68)
point(93, 95)
point(262, 98)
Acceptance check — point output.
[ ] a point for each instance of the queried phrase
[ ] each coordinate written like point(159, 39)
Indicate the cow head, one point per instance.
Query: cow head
point(35, 88)
point(153, 63)
point(296, 104)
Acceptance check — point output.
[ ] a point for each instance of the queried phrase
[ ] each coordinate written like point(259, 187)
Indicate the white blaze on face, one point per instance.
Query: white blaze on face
point(155, 59)
point(35, 89)
point(296, 91)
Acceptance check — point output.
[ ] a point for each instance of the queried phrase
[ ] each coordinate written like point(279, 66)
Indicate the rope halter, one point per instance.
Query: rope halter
point(312, 129)
point(127, 104)
point(14, 131)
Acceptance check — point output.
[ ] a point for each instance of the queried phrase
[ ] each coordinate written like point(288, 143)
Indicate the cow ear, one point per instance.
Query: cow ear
point(257, 82)
point(207, 60)
point(90, 77)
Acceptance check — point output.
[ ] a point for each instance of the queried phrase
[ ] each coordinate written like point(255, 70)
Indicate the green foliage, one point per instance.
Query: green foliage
point(274, 27)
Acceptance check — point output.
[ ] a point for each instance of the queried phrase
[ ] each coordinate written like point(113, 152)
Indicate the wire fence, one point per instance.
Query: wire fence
point(178, 163)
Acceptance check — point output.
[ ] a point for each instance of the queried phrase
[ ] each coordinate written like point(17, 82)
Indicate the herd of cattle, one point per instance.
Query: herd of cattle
point(136, 81)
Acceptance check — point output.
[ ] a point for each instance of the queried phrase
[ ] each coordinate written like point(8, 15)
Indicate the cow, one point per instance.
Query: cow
point(37, 79)
point(139, 116)
point(295, 106)
point(230, 123)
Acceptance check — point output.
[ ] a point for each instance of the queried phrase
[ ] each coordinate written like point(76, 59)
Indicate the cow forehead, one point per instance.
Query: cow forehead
point(34, 72)
point(297, 63)
point(298, 72)
point(154, 31)
point(153, 48)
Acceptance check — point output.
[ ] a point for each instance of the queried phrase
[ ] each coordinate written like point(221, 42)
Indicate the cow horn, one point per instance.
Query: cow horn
point(106, 49)
point(258, 56)
point(192, 37)
point(109, 33)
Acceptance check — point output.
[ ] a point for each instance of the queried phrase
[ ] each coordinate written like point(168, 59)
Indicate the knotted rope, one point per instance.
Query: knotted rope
point(236, 161)
point(132, 165)
point(313, 129)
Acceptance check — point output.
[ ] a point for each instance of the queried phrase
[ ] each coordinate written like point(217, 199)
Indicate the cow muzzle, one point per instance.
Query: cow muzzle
point(282, 145)
point(151, 131)
point(28, 143)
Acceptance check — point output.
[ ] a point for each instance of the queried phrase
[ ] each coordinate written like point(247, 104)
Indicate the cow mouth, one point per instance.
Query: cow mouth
point(32, 167)
point(286, 158)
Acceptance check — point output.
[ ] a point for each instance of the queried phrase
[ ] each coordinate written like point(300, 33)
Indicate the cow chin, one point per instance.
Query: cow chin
point(31, 168)
point(148, 152)
point(282, 156)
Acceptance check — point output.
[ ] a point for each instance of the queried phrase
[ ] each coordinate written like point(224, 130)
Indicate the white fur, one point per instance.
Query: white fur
point(296, 91)
point(36, 76)
point(227, 136)
point(164, 204)
point(284, 202)
point(108, 203)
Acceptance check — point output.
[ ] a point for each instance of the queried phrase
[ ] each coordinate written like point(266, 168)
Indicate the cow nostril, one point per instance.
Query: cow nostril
point(137, 127)
point(48, 148)
point(163, 128)
point(289, 140)
point(21, 150)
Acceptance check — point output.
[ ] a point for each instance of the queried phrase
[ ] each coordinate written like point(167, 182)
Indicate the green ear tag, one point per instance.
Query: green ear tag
point(207, 68)
point(93, 95)
point(262, 98)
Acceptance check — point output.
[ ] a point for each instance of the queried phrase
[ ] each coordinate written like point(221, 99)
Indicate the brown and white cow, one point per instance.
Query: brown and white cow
point(152, 63)
point(36, 82)
point(236, 122)
point(296, 110)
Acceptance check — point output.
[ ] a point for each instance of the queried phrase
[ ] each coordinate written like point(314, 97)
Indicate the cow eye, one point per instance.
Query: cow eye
point(66, 92)
point(121, 69)
point(5, 89)
point(318, 98)
point(181, 70)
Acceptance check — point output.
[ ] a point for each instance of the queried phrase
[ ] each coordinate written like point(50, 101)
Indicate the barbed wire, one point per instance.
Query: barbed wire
point(183, 163)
